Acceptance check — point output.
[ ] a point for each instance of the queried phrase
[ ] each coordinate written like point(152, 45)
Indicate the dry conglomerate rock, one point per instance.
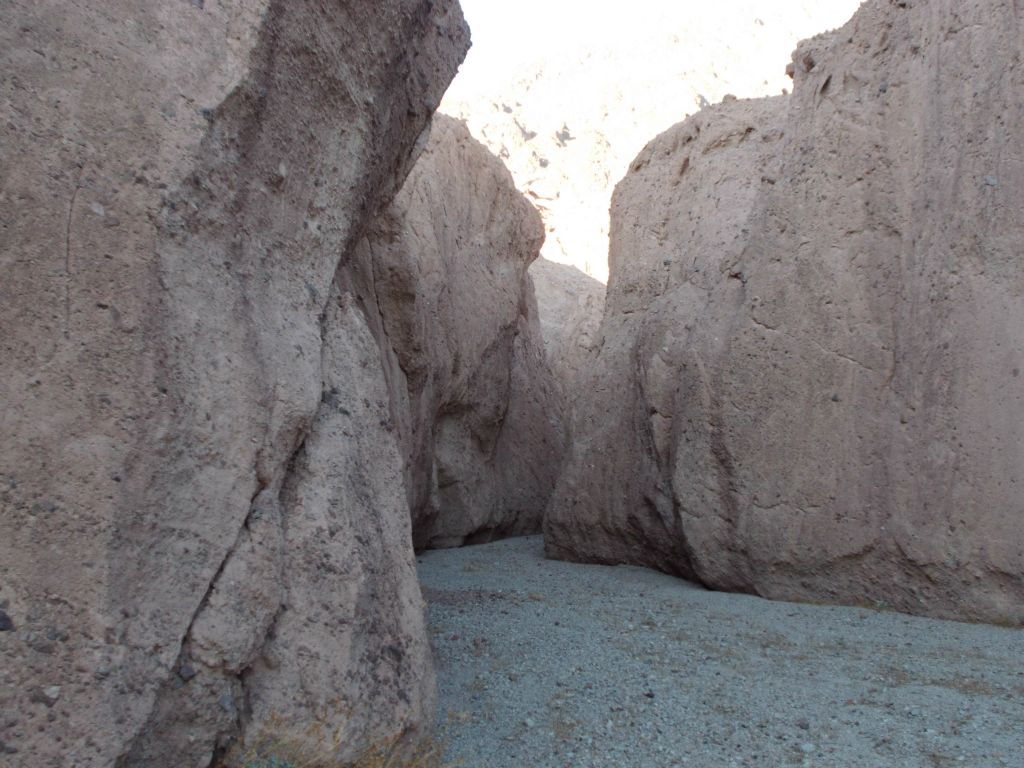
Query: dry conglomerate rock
point(443, 277)
point(203, 531)
point(810, 380)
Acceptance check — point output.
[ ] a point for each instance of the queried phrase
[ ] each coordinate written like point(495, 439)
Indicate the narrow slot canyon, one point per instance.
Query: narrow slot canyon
point(415, 385)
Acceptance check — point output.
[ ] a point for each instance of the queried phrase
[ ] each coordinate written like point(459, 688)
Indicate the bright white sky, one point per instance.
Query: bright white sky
point(510, 33)
point(617, 73)
point(507, 33)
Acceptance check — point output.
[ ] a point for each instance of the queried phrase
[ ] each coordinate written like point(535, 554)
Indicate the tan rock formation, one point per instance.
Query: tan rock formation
point(570, 304)
point(187, 545)
point(444, 276)
point(810, 381)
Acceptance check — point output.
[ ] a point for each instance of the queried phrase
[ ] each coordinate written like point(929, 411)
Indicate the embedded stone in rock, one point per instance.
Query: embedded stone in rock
point(807, 387)
point(174, 218)
point(475, 405)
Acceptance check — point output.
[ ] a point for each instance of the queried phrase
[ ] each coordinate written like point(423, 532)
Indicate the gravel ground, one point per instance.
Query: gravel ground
point(543, 663)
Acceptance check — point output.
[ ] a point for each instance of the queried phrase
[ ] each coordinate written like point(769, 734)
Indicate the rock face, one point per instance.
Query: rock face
point(809, 385)
point(203, 533)
point(443, 275)
point(571, 304)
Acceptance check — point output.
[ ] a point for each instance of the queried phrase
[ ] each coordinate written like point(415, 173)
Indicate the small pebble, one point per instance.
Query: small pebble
point(227, 703)
point(186, 672)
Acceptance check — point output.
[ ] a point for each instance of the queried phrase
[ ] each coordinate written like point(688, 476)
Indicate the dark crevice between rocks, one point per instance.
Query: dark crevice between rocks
point(657, 501)
point(183, 671)
point(225, 742)
point(492, 533)
point(244, 677)
point(509, 334)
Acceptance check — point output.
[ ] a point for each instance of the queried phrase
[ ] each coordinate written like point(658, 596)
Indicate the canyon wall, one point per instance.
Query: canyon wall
point(570, 305)
point(443, 277)
point(204, 535)
point(809, 378)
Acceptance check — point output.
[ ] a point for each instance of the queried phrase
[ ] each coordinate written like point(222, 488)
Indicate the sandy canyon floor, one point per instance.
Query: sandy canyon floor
point(544, 663)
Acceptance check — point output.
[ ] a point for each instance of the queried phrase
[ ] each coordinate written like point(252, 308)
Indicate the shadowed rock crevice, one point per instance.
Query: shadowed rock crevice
point(442, 275)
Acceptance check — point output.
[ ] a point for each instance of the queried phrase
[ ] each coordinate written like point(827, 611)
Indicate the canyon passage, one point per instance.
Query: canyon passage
point(310, 458)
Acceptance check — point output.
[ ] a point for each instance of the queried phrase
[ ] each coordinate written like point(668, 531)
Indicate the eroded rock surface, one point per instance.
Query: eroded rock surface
point(810, 381)
point(202, 521)
point(571, 304)
point(443, 275)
